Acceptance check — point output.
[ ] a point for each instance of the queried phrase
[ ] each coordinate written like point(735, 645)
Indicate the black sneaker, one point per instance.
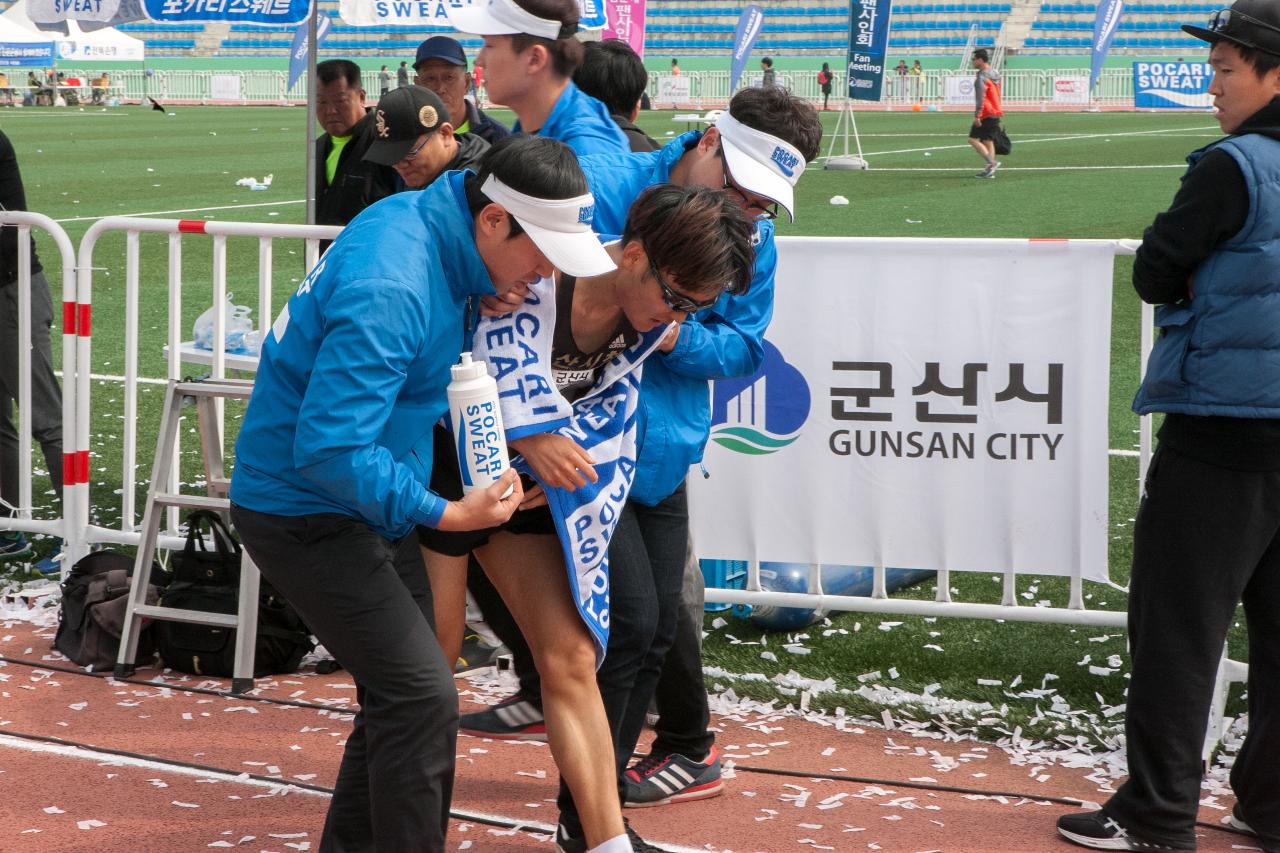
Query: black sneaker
point(1236, 821)
point(567, 843)
point(1097, 830)
point(511, 719)
point(637, 843)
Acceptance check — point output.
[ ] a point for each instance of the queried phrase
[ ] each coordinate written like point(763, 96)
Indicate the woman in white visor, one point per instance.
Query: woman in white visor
point(529, 57)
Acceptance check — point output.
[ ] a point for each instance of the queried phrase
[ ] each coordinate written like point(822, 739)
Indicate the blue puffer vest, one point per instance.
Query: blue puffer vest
point(1219, 352)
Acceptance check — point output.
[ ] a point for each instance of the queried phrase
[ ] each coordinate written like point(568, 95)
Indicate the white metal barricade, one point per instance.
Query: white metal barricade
point(219, 360)
point(23, 521)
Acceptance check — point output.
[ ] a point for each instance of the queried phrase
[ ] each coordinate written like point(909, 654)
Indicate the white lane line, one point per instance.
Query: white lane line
point(24, 114)
point(1075, 138)
point(1114, 452)
point(185, 210)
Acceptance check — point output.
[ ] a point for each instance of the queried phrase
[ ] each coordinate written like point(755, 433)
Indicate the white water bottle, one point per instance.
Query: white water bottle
point(477, 424)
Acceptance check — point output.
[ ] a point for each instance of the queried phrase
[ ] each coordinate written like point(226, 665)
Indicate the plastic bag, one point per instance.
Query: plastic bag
point(241, 338)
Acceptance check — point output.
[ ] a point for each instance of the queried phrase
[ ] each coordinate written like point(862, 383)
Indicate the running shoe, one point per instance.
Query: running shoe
point(51, 566)
point(1097, 830)
point(567, 842)
point(657, 780)
point(14, 546)
point(512, 719)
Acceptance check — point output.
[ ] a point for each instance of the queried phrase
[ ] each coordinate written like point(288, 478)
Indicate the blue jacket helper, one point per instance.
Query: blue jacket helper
point(583, 123)
point(353, 375)
point(723, 341)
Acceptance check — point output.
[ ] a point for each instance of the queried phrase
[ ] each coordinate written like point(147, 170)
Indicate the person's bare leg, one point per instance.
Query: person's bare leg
point(529, 572)
point(980, 146)
point(448, 578)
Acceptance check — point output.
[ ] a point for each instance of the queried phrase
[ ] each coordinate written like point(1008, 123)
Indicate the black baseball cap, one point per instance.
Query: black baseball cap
point(1250, 23)
point(441, 47)
point(402, 115)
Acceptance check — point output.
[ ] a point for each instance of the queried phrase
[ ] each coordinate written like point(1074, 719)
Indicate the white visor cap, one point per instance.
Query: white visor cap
point(760, 163)
point(560, 228)
point(501, 18)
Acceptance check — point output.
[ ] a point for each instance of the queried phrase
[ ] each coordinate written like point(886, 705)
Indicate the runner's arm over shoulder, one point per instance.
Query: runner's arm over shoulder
point(728, 340)
point(359, 371)
point(1209, 208)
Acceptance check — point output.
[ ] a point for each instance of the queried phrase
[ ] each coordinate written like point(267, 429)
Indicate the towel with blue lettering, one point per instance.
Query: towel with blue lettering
point(517, 347)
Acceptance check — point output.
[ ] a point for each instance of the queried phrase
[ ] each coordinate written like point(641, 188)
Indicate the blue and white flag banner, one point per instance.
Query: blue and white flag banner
point(24, 54)
point(411, 13)
point(278, 12)
point(744, 38)
point(301, 48)
point(592, 15)
point(946, 409)
point(517, 348)
point(1172, 85)
point(868, 40)
point(1104, 30)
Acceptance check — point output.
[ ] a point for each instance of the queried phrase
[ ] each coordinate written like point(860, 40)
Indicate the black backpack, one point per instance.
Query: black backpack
point(210, 581)
point(94, 602)
point(1003, 144)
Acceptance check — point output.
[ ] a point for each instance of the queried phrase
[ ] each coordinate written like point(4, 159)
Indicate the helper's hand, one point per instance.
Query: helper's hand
point(670, 339)
point(535, 497)
point(484, 507)
point(557, 461)
point(502, 304)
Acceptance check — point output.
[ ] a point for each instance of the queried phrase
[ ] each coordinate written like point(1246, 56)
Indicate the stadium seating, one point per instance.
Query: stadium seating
point(1144, 26)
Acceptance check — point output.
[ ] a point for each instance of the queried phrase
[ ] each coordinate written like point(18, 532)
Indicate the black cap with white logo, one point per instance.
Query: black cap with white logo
point(402, 115)
point(1251, 23)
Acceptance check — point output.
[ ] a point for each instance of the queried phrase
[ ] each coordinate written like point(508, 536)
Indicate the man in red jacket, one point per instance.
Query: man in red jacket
point(987, 112)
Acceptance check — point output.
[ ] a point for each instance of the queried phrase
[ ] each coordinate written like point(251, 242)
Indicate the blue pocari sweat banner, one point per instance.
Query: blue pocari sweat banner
point(282, 12)
point(1172, 85)
point(302, 48)
point(592, 15)
point(868, 39)
point(1104, 30)
point(744, 38)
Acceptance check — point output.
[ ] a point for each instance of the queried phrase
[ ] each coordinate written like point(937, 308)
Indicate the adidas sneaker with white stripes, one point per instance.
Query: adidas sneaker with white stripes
point(512, 719)
point(657, 779)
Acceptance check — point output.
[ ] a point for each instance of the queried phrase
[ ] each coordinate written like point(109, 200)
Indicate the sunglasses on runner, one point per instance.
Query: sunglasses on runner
point(754, 208)
point(678, 301)
point(1222, 19)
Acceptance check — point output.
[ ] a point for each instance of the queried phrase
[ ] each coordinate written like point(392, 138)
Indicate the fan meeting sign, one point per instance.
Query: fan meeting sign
point(927, 404)
point(1172, 85)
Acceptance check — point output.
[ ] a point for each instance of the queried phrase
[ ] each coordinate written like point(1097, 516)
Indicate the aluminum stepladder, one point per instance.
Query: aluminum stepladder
point(244, 622)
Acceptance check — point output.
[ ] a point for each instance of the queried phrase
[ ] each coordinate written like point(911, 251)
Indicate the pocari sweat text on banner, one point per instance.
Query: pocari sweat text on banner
point(926, 404)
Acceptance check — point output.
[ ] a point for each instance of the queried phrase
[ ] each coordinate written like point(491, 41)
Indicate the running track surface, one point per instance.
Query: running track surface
point(56, 798)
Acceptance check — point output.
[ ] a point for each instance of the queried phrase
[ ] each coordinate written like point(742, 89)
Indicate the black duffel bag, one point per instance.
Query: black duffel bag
point(209, 581)
point(95, 598)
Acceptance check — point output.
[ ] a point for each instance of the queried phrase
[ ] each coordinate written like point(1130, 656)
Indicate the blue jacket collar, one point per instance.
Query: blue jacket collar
point(565, 110)
point(443, 206)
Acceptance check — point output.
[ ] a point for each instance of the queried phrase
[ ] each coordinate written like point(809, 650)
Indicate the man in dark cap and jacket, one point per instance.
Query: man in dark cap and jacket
point(441, 66)
point(413, 134)
point(1207, 534)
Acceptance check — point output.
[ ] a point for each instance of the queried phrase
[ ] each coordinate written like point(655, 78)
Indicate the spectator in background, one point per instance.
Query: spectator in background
point(345, 182)
point(675, 67)
point(441, 66)
point(529, 57)
point(402, 75)
point(987, 112)
point(613, 74)
point(477, 85)
point(100, 87)
point(824, 82)
point(901, 68)
point(770, 77)
point(917, 70)
point(384, 81)
point(415, 137)
point(46, 396)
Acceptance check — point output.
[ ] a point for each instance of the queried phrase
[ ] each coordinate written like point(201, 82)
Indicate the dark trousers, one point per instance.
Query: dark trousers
point(646, 569)
point(46, 396)
point(1205, 539)
point(681, 692)
point(368, 601)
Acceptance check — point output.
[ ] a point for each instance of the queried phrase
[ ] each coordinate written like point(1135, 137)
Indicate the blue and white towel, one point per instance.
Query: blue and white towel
point(603, 422)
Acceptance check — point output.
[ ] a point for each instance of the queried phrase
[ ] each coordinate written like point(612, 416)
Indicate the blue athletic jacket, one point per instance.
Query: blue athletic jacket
point(723, 341)
point(583, 123)
point(1219, 353)
point(353, 375)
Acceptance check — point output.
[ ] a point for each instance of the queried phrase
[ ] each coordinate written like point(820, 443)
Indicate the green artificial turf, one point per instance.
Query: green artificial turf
point(1076, 175)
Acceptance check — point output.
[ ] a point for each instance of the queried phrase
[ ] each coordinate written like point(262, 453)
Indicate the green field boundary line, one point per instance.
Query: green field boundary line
point(186, 210)
point(1072, 138)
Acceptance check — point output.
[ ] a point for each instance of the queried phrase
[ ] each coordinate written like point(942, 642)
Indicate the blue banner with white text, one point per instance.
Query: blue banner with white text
point(868, 41)
point(1172, 85)
point(744, 38)
point(15, 54)
point(301, 48)
point(1104, 30)
point(592, 15)
point(280, 12)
